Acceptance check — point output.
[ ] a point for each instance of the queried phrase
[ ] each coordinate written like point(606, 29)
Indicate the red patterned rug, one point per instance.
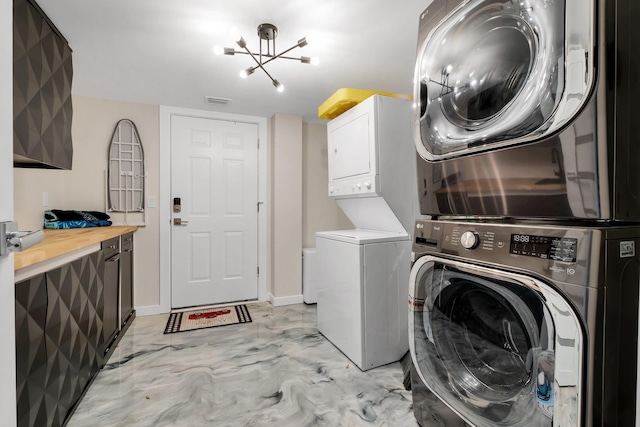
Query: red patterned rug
point(207, 318)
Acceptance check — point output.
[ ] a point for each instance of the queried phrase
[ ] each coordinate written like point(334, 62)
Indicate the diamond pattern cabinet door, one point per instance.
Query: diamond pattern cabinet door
point(110, 318)
point(42, 109)
point(31, 355)
point(73, 332)
point(126, 278)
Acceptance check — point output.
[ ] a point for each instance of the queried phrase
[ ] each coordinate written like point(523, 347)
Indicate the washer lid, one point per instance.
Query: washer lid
point(361, 236)
point(494, 73)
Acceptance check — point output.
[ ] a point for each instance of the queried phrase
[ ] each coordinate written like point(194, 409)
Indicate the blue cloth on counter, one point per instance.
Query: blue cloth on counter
point(60, 219)
point(58, 225)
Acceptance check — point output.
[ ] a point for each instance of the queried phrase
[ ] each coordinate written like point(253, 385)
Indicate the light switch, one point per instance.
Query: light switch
point(45, 198)
point(151, 201)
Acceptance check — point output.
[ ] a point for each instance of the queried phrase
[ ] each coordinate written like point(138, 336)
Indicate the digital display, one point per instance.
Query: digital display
point(545, 247)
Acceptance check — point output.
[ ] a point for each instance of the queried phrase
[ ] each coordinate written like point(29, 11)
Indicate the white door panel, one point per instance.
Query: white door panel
point(214, 173)
point(7, 290)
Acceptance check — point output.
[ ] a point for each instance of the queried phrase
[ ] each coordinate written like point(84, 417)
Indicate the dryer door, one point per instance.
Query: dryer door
point(494, 73)
point(500, 349)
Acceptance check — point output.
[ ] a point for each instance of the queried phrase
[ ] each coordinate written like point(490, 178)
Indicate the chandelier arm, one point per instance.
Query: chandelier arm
point(284, 57)
point(240, 52)
point(252, 55)
point(260, 65)
point(280, 55)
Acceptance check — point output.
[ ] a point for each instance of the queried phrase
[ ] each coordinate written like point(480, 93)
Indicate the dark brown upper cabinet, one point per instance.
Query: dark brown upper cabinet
point(42, 75)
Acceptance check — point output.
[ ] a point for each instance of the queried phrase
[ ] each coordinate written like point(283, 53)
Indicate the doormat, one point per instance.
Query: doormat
point(207, 318)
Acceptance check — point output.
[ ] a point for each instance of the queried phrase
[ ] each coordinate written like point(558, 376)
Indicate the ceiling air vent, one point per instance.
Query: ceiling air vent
point(216, 100)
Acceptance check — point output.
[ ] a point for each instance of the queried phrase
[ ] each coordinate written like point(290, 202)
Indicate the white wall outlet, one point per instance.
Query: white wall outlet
point(151, 201)
point(45, 198)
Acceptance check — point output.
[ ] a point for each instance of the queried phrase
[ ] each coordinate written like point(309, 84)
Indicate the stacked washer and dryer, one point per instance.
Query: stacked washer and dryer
point(526, 265)
point(363, 273)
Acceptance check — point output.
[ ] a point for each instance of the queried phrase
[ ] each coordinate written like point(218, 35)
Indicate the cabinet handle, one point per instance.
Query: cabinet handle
point(128, 250)
point(112, 246)
point(114, 258)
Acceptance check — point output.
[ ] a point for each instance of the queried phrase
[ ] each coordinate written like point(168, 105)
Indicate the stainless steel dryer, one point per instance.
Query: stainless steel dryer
point(526, 109)
point(524, 325)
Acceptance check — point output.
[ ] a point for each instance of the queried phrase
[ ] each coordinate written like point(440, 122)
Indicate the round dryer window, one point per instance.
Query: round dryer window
point(492, 73)
point(486, 344)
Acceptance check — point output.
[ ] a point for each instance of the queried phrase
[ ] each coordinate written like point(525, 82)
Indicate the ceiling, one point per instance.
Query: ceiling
point(161, 52)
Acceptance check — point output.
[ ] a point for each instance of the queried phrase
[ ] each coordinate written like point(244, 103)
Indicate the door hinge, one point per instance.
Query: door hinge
point(258, 268)
point(259, 203)
point(258, 143)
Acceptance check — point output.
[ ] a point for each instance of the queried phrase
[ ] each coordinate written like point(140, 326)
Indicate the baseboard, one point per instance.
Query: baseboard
point(289, 300)
point(151, 310)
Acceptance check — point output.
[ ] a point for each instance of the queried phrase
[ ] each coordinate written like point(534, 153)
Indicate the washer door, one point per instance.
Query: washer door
point(495, 73)
point(500, 349)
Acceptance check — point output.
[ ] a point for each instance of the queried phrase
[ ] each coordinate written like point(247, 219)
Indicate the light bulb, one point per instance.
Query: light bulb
point(278, 86)
point(218, 50)
point(235, 34)
point(308, 60)
point(247, 72)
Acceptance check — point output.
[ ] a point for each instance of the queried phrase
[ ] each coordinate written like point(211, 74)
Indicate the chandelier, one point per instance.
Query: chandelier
point(267, 34)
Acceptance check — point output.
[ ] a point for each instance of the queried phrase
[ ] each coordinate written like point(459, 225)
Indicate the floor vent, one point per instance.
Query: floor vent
point(216, 100)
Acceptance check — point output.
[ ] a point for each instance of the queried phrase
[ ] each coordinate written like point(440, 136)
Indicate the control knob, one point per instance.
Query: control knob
point(469, 239)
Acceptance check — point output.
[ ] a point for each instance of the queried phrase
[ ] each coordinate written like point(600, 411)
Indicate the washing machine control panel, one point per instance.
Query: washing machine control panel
point(558, 252)
point(545, 247)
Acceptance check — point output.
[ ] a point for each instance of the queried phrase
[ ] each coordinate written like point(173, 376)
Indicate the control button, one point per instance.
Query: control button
point(469, 240)
point(331, 189)
point(367, 184)
point(359, 186)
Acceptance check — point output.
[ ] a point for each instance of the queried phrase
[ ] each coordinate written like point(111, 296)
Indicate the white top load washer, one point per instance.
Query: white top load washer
point(362, 299)
point(363, 273)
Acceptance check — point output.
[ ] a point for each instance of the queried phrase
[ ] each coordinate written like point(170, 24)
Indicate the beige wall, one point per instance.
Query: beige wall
point(297, 158)
point(319, 212)
point(83, 187)
point(286, 206)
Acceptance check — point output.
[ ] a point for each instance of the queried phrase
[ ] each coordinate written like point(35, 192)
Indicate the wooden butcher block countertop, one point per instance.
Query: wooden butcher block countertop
point(61, 242)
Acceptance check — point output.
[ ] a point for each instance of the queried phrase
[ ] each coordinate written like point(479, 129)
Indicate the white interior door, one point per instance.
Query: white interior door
point(7, 291)
point(214, 173)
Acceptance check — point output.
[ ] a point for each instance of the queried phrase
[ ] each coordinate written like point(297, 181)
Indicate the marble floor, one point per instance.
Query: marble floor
point(276, 371)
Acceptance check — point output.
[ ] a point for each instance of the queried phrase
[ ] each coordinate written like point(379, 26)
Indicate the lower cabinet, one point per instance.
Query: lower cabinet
point(111, 320)
point(73, 330)
point(31, 360)
point(66, 321)
point(126, 279)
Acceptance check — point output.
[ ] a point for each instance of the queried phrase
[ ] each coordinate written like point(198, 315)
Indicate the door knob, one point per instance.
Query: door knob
point(179, 221)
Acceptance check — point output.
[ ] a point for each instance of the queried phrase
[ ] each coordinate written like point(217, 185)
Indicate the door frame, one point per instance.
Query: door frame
point(7, 290)
point(164, 204)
